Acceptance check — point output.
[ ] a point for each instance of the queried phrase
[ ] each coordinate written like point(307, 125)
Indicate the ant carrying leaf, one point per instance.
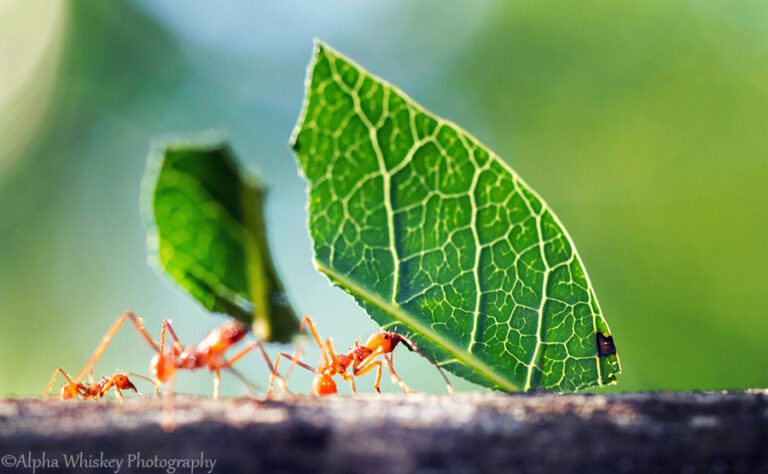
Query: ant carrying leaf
point(358, 361)
point(209, 353)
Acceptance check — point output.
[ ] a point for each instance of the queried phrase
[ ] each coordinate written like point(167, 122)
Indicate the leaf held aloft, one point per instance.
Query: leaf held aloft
point(437, 237)
point(206, 230)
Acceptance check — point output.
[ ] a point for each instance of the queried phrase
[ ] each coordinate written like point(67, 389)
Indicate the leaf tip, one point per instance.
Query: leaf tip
point(319, 46)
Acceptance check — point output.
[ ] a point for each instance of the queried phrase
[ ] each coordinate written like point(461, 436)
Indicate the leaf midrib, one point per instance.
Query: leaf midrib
point(413, 323)
point(214, 283)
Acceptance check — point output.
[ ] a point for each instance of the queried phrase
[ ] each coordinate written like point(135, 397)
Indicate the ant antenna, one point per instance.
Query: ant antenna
point(130, 374)
point(448, 384)
point(408, 343)
point(413, 348)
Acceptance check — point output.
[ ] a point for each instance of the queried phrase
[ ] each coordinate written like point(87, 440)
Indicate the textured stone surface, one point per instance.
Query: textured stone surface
point(644, 432)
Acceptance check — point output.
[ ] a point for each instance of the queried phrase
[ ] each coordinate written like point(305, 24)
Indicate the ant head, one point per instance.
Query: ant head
point(123, 382)
point(387, 341)
point(406, 342)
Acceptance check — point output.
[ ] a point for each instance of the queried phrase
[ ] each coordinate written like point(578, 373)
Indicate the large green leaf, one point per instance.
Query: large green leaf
point(435, 236)
point(206, 229)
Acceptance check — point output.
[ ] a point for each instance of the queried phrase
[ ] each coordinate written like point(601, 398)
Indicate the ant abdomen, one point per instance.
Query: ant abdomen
point(324, 385)
point(69, 391)
point(163, 366)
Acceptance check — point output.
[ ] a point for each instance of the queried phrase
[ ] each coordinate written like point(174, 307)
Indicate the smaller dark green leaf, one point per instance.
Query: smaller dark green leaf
point(205, 225)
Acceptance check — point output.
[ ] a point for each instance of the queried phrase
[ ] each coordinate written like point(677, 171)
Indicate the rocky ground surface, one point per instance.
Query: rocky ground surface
point(691, 432)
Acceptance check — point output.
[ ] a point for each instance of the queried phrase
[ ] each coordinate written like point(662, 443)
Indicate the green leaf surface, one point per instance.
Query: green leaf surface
point(435, 236)
point(206, 230)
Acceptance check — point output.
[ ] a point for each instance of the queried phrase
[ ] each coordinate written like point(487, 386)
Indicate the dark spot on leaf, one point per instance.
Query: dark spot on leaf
point(605, 345)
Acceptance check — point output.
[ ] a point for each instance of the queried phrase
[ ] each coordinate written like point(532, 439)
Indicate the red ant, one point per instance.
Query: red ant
point(209, 353)
point(361, 359)
point(93, 391)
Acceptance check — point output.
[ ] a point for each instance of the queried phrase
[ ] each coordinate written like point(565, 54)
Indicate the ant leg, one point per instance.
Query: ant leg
point(137, 322)
point(244, 352)
point(169, 409)
point(347, 377)
point(296, 355)
point(351, 380)
point(53, 380)
point(448, 384)
point(307, 321)
point(258, 345)
point(367, 364)
point(163, 330)
point(389, 358)
point(168, 328)
point(176, 342)
point(293, 360)
point(368, 360)
point(377, 385)
point(104, 390)
point(362, 370)
point(168, 422)
point(177, 346)
point(160, 354)
point(329, 349)
point(216, 383)
point(414, 348)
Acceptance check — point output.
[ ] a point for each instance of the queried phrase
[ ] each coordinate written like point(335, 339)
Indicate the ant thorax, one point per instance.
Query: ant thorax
point(93, 391)
point(223, 337)
point(190, 358)
point(343, 361)
point(361, 353)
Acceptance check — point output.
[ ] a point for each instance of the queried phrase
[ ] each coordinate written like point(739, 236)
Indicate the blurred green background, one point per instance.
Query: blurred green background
point(643, 124)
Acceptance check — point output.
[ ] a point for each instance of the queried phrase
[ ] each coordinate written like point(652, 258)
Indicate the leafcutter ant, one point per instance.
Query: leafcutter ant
point(210, 353)
point(360, 359)
point(94, 390)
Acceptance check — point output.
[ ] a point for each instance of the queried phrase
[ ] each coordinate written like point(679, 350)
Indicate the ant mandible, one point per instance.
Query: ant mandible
point(94, 390)
point(361, 359)
point(209, 353)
